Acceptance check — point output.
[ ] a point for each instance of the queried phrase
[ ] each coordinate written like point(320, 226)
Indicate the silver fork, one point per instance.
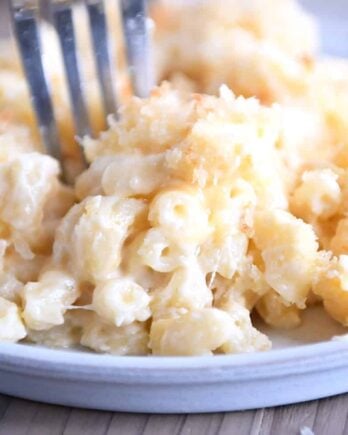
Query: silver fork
point(26, 18)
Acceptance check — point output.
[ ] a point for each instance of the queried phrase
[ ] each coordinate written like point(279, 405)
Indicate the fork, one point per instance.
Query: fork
point(26, 15)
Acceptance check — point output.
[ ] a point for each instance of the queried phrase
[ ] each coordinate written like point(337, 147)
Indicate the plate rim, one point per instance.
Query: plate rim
point(64, 364)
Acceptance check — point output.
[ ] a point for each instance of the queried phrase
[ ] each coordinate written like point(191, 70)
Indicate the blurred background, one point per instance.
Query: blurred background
point(333, 17)
point(332, 14)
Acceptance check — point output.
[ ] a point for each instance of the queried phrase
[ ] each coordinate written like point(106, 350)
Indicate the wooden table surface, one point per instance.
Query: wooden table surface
point(322, 417)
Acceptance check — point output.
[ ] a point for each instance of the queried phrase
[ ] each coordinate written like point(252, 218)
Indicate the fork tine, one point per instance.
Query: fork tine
point(27, 35)
point(137, 45)
point(63, 22)
point(98, 24)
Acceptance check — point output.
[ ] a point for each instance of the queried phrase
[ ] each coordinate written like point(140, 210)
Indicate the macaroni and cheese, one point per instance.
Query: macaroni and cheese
point(222, 194)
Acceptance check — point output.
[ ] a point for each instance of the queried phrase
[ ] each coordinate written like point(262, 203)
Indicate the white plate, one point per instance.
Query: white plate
point(305, 364)
point(294, 372)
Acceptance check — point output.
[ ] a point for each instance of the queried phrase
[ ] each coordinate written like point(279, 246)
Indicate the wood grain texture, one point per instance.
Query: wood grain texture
point(4, 20)
point(81, 421)
point(323, 417)
point(288, 419)
point(122, 423)
point(331, 416)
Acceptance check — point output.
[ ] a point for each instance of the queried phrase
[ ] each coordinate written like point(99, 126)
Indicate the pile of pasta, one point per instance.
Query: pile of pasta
point(202, 204)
